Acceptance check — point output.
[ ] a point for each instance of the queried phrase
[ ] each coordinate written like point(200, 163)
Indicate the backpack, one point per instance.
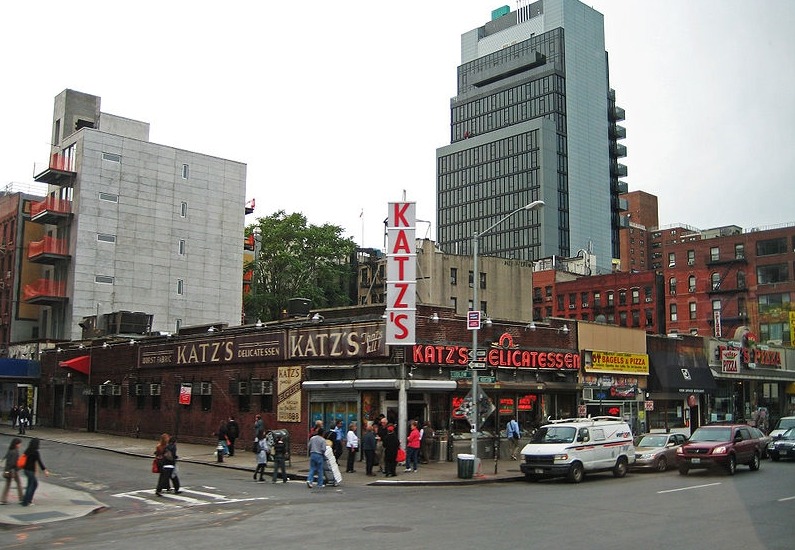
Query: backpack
point(21, 461)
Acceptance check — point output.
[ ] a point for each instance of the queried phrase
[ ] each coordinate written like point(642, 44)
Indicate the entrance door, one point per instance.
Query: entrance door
point(414, 409)
point(58, 408)
point(92, 413)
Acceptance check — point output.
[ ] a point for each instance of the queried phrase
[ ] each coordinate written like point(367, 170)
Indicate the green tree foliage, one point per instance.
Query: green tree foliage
point(297, 260)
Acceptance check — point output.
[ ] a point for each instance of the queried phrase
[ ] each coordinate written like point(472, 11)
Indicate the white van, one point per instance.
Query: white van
point(784, 423)
point(573, 447)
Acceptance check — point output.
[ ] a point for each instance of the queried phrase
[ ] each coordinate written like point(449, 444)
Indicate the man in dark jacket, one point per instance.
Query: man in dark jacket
point(232, 433)
point(391, 445)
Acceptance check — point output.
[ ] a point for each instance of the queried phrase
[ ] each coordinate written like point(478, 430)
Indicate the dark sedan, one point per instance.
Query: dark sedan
point(783, 447)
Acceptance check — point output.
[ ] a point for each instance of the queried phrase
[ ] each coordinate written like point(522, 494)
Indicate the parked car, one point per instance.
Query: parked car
point(784, 423)
point(720, 446)
point(657, 450)
point(783, 446)
point(764, 440)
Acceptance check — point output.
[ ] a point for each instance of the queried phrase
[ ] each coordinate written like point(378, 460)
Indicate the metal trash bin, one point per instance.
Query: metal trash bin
point(466, 466)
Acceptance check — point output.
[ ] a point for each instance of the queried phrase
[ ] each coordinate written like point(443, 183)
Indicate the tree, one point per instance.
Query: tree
point(297, 260)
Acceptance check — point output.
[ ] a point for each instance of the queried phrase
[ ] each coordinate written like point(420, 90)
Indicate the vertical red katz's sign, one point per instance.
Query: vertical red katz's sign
point(401, 273)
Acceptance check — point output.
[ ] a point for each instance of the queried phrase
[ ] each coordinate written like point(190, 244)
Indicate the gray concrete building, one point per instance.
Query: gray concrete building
point(534, 118)
point(138, 236)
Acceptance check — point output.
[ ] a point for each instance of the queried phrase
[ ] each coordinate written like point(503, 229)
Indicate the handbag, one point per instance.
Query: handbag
point(7, 474)
point(155, 466)
point(401, 455)
point(21, 461)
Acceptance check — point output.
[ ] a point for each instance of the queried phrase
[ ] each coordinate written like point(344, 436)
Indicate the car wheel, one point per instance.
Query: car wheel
point(775, 458)
point(620, 469)
point(576, 473)
point(731, 465)
point(682, 470)
point(662, 464)
point(755, 463)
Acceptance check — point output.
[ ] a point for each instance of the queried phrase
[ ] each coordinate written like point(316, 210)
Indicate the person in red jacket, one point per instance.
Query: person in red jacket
point(413, 447)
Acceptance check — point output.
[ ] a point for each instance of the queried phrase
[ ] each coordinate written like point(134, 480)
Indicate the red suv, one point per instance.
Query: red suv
point(720, 446)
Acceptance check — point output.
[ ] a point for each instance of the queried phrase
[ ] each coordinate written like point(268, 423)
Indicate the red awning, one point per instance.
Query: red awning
point(80, 364)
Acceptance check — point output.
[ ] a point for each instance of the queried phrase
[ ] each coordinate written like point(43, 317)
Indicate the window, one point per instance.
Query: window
point(773, 303)
point(622, 318)
point(692, 306)
point(716, 305)
point(181, 247)
point(741, 309)
point(177, 324)
point(584, 299)
point(635, 318)
point(108, 197)
point(454, 303)
point(560, 302)
point(453, 276)
point(714, 254)
point(691, 257)
point(672, 312)
point(548, 292)
point(103, 279)
point(105, 238)
point(471, 279)
point(776, 273)
point(671, 259)
point(183, 210)
point(635, 296)
point(572, 300)
point(609, 298)
point(597, 299)
point(482, 280)
point(622, 297)
point(739, 251)
point(672, 286)
point(741, 280)
point(185, 171)
point(180, 287)
point(111, 157)
point(649, 313)
point(691, 283)
point(715, 281)
point(771, 246)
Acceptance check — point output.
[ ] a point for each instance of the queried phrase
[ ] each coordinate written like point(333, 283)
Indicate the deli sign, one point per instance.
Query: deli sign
point(401, 276)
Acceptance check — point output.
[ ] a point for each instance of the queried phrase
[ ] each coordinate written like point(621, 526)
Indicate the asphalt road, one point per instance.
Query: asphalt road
point(223, 508)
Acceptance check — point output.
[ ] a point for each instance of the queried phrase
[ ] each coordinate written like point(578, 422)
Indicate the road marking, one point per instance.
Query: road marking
point(786, 499)
point(182, 499)
point(687, 488)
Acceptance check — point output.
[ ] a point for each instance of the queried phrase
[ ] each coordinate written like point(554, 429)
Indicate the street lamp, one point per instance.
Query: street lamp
point(476, 304)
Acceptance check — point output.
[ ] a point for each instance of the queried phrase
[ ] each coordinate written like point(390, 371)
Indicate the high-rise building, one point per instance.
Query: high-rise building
point(137, 237)
point(534, 118)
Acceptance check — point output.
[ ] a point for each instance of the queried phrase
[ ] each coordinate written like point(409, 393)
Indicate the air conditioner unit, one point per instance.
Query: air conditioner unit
point(206, 388)
point(585, 304)
point(587, 394)
point(104, 389)
point(571, 306)
point(673, 293)
point(139, 389)
point(648, 300)
point(671, 264)
point(242, 388)
point(154, 389)
point(691, 262)
point(548, 299)
point(267, 387)
point(115, 389)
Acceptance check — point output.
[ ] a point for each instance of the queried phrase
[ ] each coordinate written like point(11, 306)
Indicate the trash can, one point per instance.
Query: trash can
point(466, 466)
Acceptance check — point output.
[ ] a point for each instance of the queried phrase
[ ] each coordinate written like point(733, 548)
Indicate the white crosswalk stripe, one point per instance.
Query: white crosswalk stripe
point(186, 497)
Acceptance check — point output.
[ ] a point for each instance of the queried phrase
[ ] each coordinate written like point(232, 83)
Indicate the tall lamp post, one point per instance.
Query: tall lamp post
point(254, 283)
point(476, 306)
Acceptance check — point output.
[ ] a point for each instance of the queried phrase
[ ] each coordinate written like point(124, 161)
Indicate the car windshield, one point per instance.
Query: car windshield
point(785, 423)
point(653, 441)
point(711, 434)
point(554, 434)
point(789, 434)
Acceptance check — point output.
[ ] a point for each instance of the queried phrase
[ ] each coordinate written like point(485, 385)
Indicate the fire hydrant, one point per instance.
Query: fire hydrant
point(219, 451)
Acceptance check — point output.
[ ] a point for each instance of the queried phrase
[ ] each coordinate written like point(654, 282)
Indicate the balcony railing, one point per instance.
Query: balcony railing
point(50, 210)
point(44, 292)
point(59, 171)
point(48, 250)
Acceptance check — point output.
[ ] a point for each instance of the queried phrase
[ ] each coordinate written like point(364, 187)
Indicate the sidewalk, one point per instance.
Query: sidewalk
point(55, 503)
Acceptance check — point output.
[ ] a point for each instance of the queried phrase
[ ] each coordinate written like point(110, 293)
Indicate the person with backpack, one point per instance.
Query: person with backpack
point(232, 433)
point(10, 471)
point(28, 461)
point(262, 456)
point(280, 455)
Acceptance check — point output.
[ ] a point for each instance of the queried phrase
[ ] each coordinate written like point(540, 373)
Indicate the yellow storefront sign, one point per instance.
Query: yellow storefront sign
point(618, 363)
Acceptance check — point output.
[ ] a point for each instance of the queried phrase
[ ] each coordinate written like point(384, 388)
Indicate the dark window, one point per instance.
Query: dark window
point(771, 246)
point(776, 273)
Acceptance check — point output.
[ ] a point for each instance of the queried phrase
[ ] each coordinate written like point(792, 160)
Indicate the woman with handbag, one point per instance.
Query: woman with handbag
point(160, 451)
point(33, 458)
point(10, 472)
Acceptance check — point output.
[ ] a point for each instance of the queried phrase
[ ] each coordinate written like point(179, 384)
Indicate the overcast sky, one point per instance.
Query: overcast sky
point(337, 108)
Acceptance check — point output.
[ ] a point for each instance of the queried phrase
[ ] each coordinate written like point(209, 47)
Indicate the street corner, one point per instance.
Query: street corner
point(51, 503)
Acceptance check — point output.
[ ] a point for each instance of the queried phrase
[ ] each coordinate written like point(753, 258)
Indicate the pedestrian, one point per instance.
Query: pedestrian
point(513, 433)
point(33, 458)
point(413, 447)
point(14, 415)
point(262, 456)
point(11, 472)
point(368, 448)
point(280, 455)
point(159, 453)
point(380, 434)
point(221, 434)
point(352, 443)
point(337, 442)
point(426, 442)
point(316, 448)
point(22, 420)
point(171, 455)
point(391, 445)
point(232, 433)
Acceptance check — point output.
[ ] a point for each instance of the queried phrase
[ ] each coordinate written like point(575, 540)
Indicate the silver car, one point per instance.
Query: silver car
point(658, 451)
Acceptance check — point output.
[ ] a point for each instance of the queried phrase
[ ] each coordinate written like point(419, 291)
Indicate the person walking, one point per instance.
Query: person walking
point(391, 446)
point(11, 472)
point(513, 433)
point(368, 448)
point(426, 442)
point(33, 458)
point(159, 453)
point(280, 454)
point(259, 426)
point(262, 456)
point(316, 448)
point(413, 447)
point(221, 434)
point(170, 464)
point(380, 434)
point(352, 443)
point(22, 419)
point(14, 415)
point(337, 442)
point(232, 433)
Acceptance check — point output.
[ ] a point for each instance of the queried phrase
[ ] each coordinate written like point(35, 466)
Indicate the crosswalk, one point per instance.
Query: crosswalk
point(186, 497)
